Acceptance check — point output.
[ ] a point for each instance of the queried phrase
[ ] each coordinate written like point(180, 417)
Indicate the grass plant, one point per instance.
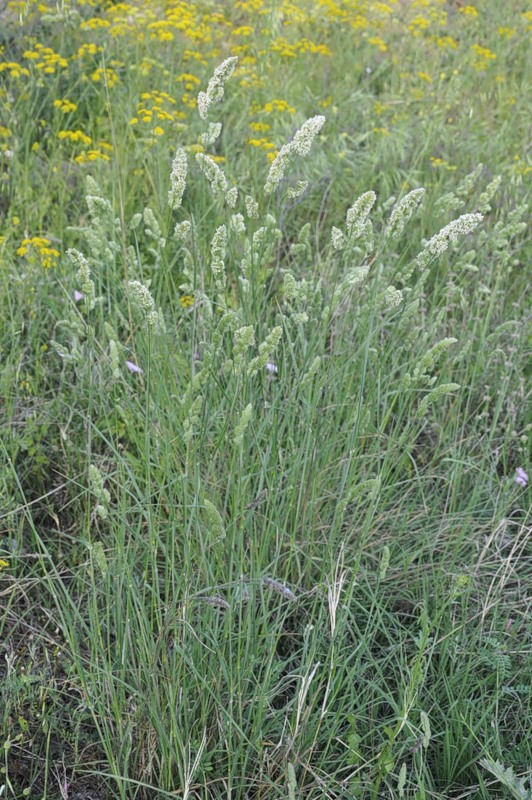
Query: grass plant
point(265, 382)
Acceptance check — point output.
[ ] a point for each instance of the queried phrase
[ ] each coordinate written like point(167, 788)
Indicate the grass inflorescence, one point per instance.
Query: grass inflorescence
point(265, 518)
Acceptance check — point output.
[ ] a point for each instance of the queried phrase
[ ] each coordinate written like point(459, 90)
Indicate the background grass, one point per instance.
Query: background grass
point(334, 599)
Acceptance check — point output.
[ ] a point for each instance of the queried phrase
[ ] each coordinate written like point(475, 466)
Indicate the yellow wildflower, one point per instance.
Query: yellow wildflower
point(259, 127)
point(278, 105)
point(441, 162)
point(483, 52)
point(87, 156)
point(66, 106)
point(469, 11)
point(418, 24)
point(75, 136)
point(378, 42)
point(38, 246)
point(243, 30)
point(263, 144)
point(447, 42)
point(88, 49)
point(107, 76)
point(15, 70)
point(94, 23)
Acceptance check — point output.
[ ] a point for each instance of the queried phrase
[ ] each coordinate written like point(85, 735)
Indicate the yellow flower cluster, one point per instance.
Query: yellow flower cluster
point(66, 106)
point(106, 76)
point(75, 136)
point(292, 50)
point(263, 144)
point(441, 163)
point(88, 49)
point(45, 59)
point(191, 84)
point(482, 56)
point(15, 69)
point(156, 107)
point(259, 127)
point(376, 41)
point(38, 246)
point(173, 45)
point(469, 11)
point(272, 106)
point(447, 42)
point(88, 156)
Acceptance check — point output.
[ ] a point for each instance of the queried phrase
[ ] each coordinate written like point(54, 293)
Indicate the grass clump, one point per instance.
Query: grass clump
point(265, 529)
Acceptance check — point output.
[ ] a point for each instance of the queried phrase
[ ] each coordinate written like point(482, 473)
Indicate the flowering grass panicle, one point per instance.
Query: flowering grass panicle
point(337, 238)
point(439, 391)
point(213, 173)
point(266, 349)
point(214, 521)
point(238, 223)
point(299, 145)
point(243, 339)
point(192, 420)
point(297, 190)
point(211, 134)
point(99, 491)
point(178, 178)
point(141, 297)
point(449, 234)
point(182, 230)
point(422, 375)
point(216, 86)
point(402, 212)
point(488, 194)
point(353, 277)
point(357, 216)
point(218, 248)
point(216, 601)
point(83, 275)
point(252, 207)
point(243, 423)
point(231, 196)
point(392, 297)
point(279, 588)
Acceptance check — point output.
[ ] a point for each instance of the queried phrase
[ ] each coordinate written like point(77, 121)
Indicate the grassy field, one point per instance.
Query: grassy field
point(265, 400)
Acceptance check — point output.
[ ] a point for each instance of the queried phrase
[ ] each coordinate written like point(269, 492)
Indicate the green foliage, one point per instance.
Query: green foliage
point(261, 535)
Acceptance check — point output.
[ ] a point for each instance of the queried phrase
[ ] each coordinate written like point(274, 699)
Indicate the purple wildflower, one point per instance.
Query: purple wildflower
point(521, 477)
point(133, 367)
point(78, 296)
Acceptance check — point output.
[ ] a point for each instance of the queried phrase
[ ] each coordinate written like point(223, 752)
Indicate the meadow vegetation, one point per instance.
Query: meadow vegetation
point(265, 391)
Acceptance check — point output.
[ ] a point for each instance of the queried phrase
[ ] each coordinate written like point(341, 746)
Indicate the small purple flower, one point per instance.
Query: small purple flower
point(521, 477)
point(133, 367)
point(272, 368)
point(78, 296)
